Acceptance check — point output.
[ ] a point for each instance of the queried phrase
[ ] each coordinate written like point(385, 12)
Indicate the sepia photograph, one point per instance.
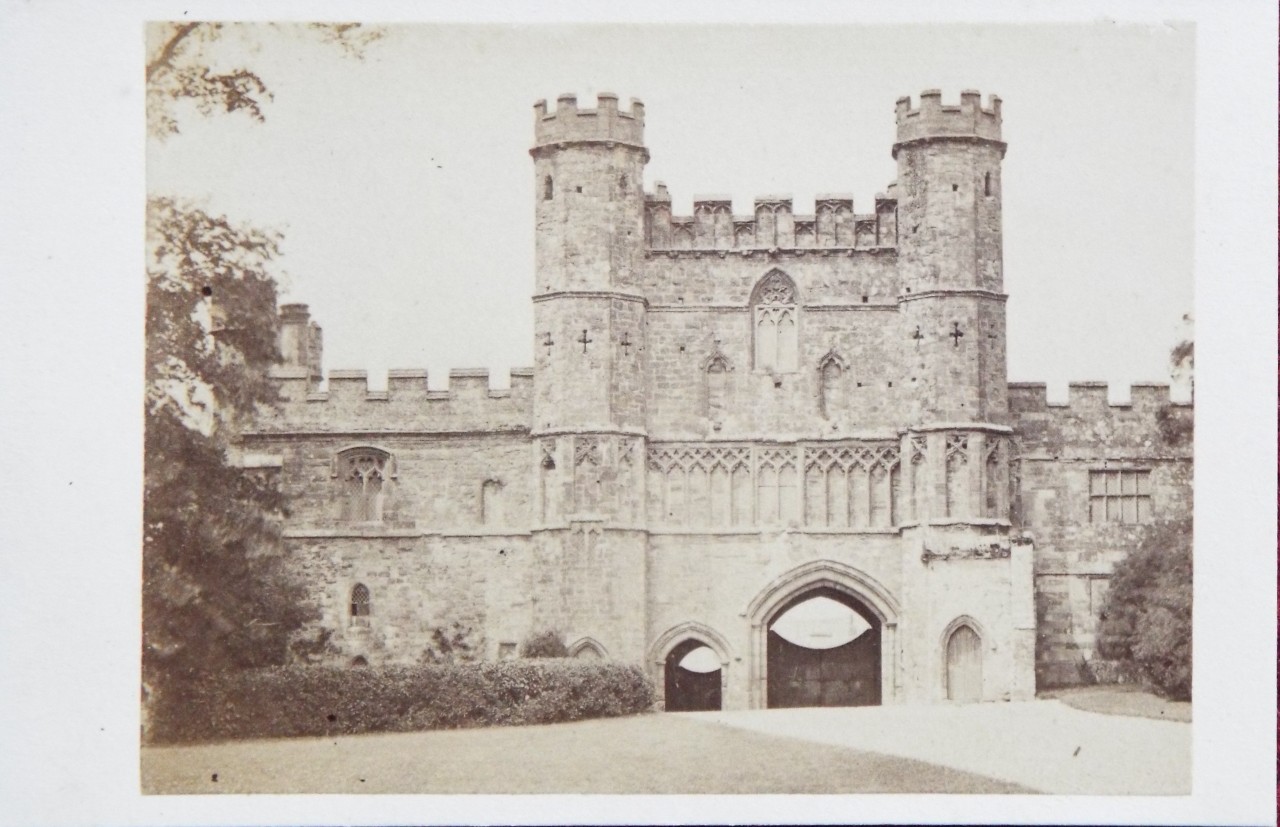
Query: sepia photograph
point(597, 410)
point(786, 464)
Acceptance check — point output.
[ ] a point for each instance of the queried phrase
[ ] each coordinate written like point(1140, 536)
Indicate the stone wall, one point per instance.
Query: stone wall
point(1059, 446)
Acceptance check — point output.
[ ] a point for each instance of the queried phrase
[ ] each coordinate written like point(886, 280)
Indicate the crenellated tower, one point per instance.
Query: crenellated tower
point(953, 306)
point(949, 256)
point(589, 372)
point(957, 441)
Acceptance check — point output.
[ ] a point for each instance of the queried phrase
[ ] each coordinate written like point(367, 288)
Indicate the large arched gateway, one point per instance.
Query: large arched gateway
point(823, 649)
point(824, 634)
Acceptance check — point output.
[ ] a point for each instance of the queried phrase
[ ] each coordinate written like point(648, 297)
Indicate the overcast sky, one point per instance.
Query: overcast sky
point(404, 187)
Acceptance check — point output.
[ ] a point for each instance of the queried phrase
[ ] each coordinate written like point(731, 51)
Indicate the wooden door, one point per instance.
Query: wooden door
point(964, 665)
point(847, 675)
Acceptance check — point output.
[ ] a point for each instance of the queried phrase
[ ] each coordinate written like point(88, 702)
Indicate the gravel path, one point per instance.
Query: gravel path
point(1044, 744)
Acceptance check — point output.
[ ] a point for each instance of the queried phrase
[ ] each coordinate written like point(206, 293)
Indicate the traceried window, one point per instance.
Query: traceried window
point(363, 474)
point(361, 605)
point(1120, 496)
point(774, 316)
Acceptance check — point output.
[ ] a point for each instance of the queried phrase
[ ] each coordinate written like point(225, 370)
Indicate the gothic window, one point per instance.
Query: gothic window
point(918, 470)
point(957, 467)
point(774, 319)
point(777, 489)
point(363, 473)
point(996, 479)
point(491, 498)
point(717, 388)
point(360, 603)
point(1119, 496)
point(830, 371)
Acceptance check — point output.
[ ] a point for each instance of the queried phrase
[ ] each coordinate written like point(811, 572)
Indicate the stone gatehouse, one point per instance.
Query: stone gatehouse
point(727, 416)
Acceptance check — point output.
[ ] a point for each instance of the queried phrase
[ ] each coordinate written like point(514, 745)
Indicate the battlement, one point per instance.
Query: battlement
point(408, 404)
point(1088, 427)
point(1085, 398)
point(773, 224)
point(604, 124)
point(932, 119)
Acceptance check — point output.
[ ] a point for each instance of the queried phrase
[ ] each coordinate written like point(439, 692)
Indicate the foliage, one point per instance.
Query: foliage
point(1176, 427)
point(1146, 621)
point(1182, 359)
point(215, 591)
point(179, 67)
point(450, 645)
point(546, 644)
point(292, 701)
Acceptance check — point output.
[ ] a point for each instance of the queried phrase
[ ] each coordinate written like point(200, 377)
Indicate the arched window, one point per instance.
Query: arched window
point(830, 371)
point(363, 474)
point(548, 188)
point(774, 317)
point(717, 387)
point(491, 511)
point(587, 649)
point(361, 606)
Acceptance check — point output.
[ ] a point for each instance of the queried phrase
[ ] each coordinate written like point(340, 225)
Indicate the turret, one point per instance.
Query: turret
point(589, 168)
point(588, 311)
point(589, 369)
point(949, 256)
point(301, 344)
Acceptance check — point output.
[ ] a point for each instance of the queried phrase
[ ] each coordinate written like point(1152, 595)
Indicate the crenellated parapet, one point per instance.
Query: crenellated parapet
point(773, 225)
point(408, 404)
point(932, 120)
point(1088, 424)
point(605, 124)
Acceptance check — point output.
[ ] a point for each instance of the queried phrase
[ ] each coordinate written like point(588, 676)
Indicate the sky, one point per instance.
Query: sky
point(403, 185)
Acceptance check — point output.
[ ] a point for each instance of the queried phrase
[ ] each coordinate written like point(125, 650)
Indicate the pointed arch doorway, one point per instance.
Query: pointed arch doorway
point(691, 678)
point(964, 664)
point(855, 658)
point(823, 650)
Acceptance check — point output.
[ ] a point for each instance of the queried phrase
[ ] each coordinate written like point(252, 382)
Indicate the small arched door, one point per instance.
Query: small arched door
point(964, 665)
point(691, 679)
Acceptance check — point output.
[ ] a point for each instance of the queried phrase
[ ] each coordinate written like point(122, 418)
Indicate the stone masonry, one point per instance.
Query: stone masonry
point(726, 413)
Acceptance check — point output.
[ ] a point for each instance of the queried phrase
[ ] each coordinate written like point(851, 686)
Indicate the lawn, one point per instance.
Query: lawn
point(655, 753)
point(1122, 699)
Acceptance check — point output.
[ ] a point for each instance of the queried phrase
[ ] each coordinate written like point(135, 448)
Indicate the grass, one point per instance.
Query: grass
point(1122, 699)
point(662, 753)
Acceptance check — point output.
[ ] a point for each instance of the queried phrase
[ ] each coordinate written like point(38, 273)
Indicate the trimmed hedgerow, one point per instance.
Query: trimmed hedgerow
point(291, 701)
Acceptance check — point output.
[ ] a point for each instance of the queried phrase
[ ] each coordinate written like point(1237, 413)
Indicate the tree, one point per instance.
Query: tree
point(1175, 428)
point(179, 68)
point(216, 591)
point(1146, 620)
point(215, 594)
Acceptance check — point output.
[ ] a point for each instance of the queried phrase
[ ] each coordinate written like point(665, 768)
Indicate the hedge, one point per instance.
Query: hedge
point(292, 701)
